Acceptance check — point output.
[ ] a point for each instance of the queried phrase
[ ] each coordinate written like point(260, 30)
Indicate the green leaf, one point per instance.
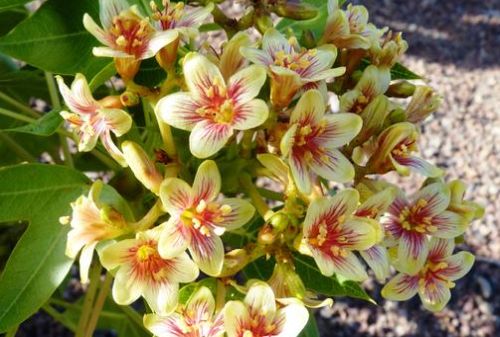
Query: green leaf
point(44, 126)
point(150, 73)
point(6, 4)
point(329, 286)
point(10, 18)
point(400, 72)
point(311, 328)
point(54, 39)
point(23, 84)
point(38, 194)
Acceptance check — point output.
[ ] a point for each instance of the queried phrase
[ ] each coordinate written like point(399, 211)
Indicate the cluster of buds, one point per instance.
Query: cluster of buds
point(252, 111)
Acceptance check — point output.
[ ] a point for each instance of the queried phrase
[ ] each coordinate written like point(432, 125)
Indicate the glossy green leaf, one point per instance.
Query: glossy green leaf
point(38, 194)
point(10, 18)
point(54, 39)
point(44, 126)
point(329, 286)
point(150, 73)
point(400, 72)
point(23, 84)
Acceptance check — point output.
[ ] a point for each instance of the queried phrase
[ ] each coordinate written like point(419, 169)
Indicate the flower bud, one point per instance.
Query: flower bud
point(142, 166)
point(373, 117)
point(295, 9)
point(279, 221)
point(127, 67)
point(129, 98)
point(307, 39)
point(111, 102)
point(401, 89)
point(263, 22)
point(285, 281)
point(423, 102)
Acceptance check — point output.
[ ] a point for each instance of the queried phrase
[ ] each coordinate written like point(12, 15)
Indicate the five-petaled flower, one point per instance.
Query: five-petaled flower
point(91, 119)
point(410, 223)
point(434, 280)
point(125, 32)
point(91, 222)
point(313, 138)
point(261, 316)
point(394, 148)
point(332, 233)
point(212, 109)
point(291, 67)
point(141, 271)
point(194, 319)
point(197, 219)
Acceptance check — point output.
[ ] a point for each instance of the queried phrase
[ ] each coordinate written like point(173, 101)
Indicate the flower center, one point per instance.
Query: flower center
point(205, 216)
point(147, 264)
point(430, 272)
point(169, 16)
point(130, 33)
point(221, 107)
point(413, 219)
point(360, 104)
point(329, 240)
point(405, 148)
point(144, 252)
point(294, 61)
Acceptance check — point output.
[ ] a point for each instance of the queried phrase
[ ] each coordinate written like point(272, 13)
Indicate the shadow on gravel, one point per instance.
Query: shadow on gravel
point(465, 33)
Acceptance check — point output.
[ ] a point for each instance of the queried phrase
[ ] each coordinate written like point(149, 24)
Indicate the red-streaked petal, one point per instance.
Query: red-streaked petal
point(179, 110)
point(183, 269)
point(257, 56)
point(360, 233)
point(126, 290)
point(207, 182)
point(437, 196)
point(412, 252)
point(332, 165)
point(108, 9)
point(194, 16)
point(322, 60)
point(235, 317)
point(246, 83)
point(260, 300)
point(340, 129)
point(113, 150)
point(95, 30)
point(207, 138)
point(419, 165)
point(377, 204)
point(310, 109)
point(79, 98)
point(434, 295)
point(273, 41)
point(172, 325)
point(349, 266)
point(157, 41)
point(241, 212)
point(174, 238)
point(250, 114)
point(201, 304)
point(440, 249)
point(116, 120)
point(300, 172)
point(401, 287)
point(458, 265)
point(449, 225)
point(200, 75)
point(176, 195)
point(377, 259)
point(207, 252)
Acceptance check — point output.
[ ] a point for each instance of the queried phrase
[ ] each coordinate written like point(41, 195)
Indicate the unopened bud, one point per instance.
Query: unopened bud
point(397, 115)
point(423, 102)
point(127, 67)
point(307, 40)
point(295, 9)
point(129, 98)
point(401, 89)
point(373, 115)
point(111, 102)
point(142, 166)
point(279, 221)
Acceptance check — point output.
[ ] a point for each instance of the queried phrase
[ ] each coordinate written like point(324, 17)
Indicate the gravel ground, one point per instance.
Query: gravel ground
point(455, 45)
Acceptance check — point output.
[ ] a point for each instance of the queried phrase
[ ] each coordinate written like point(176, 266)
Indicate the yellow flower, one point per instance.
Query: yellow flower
point(259, 315)
point(213, 109)
point(141, 271)
point(91, 222)
point(435, 279)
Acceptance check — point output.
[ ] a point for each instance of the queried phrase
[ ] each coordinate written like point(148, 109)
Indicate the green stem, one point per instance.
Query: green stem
point(12, 331)
point(134, 316)
point(98, 305)
point(19, 150)
point(105, 159)
point(16, 115)
point(22, 107)
point(95, 275)
point(270, 194)
point(59, 317)
point(257, 200)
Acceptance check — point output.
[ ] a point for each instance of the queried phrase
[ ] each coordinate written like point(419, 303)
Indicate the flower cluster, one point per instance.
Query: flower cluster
point(224, 119)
